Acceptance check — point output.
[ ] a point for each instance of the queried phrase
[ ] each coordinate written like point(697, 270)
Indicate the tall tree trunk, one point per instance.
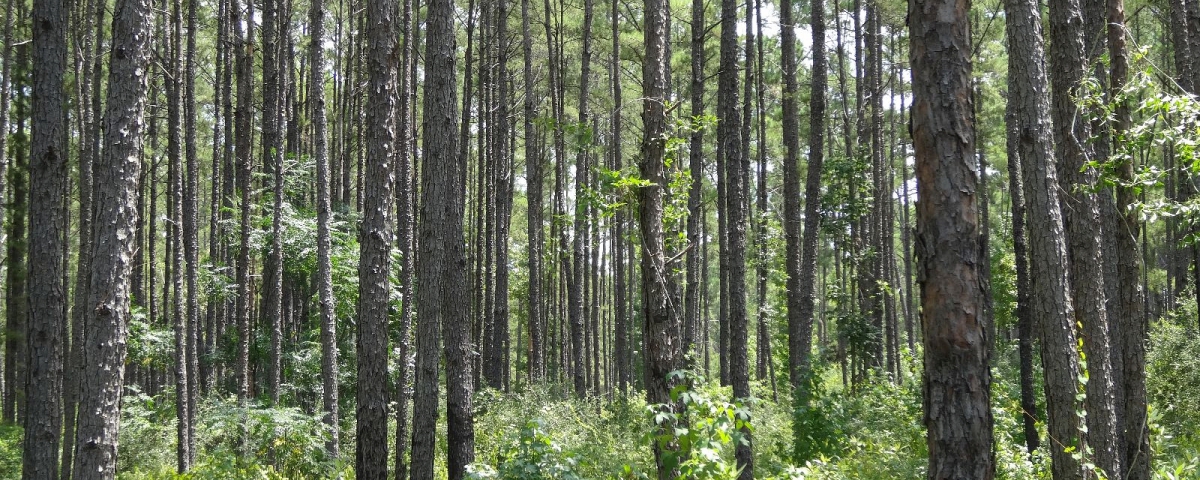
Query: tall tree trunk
point(660, 329)
point(272, 158)
point(116, 174)
point(1082, 215)
point(1049, 283)
point(801, 258)
point(579, 258)
point(190, 236)
point(47, 292)
point(957, 364)
point(441, 268)
point(496, 365)
point(245, 95)
point(376, 237)
point(404, 231)
point(1025, 326)
point(729, 146)
point(174, 70)
point(535, 202)
point(87, 77)
point(8, 381)
point(320, 149)
point(621, 319)
point(16, 297)
point(1130, 314)
point(692, 292)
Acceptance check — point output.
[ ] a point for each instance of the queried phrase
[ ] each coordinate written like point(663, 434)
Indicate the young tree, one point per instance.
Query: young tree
point(116, 173)
point(957, 350)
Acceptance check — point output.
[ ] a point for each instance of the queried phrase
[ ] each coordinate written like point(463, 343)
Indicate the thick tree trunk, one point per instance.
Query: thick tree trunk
point(957, 365)
point(441, 268)
point(376, 238)
point(116, 174)
point(661, 330)
point(47, 291)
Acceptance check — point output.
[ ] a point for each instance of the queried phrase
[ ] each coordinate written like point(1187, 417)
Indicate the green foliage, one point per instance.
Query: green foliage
point(534, 456)
point(1173, 377)
point(599, 436)
point(10, 451)
point(232, 441)
point(813, 434)
point(695, 431)
point(149, 345)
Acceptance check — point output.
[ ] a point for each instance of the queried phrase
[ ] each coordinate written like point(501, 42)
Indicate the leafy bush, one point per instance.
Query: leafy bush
point(601, 436)
point(1173, 387)
point(232, 441)
point(535, 456)
point(1173, 375)
point(703, 430)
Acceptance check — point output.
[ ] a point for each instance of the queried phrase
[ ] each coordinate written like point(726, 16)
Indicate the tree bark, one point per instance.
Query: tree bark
point(404, 232)
point(1049, 284)
point(376, 238)
point(957, 365)
point(1025, 322)
point(661, 334)
point(729, 145)
point(441, 268)
point(245, 94)
point(8, 381)
point(320, 149)
point(47, 291)
point(1130, 314)
point(1082, 215)
point(116, 173)
point(535, 202)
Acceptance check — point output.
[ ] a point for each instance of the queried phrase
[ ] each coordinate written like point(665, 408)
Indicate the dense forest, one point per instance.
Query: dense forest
point(576, 239)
